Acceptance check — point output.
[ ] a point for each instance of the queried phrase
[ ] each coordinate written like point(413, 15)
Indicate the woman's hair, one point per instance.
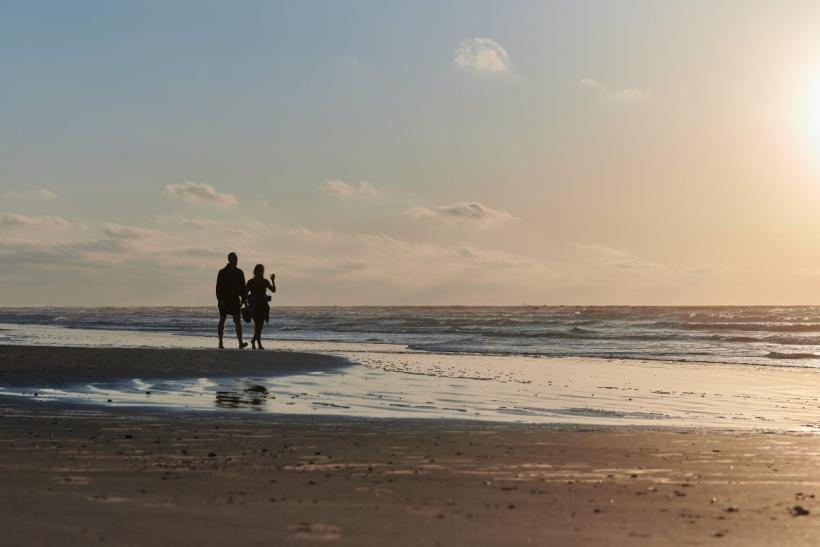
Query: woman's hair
point(258, 270)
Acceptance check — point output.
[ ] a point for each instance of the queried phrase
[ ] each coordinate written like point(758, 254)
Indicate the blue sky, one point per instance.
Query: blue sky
point(409, 153)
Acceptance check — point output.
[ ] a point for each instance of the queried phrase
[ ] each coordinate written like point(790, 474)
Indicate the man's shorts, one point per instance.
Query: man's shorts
point(229, 308)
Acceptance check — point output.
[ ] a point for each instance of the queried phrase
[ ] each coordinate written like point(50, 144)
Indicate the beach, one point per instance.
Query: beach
point(79, 473)
point(388, 274)
point(80, 477)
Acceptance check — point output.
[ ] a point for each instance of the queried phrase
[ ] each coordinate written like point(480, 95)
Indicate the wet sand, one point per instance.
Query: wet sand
point(393, 382)
point(51, 366)
point(81, 475)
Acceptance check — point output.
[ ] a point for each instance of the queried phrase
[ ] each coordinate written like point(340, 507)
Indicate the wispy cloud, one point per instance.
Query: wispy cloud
point(17, 220)
point(622, 95)
point(41, 193)
point(618, 259)
point(399, 269)
point(118, 231)
point(462, 211)
point(482, 55)
point(721, 269)
point(386, 268)
point(236, 227)
point(200, 192)
point(339, 189)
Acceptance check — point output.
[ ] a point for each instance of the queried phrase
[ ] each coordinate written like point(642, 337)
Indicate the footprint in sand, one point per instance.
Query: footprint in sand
point(315, 531)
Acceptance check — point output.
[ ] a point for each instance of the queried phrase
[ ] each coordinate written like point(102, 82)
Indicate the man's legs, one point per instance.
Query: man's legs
point(237, 320)
point(220, 330)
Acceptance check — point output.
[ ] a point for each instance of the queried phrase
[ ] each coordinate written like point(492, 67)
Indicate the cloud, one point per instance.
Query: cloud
point(629, 94)
point(200, 192)
point(719, 269)
point(216, 228)
point(482, 55)
point(623, 95)
point(368, 190)
point(393, 270)
point(339, 189)
point(16, 220)
point(38, 259)
point(618, 258)
point(118, 231)
point(42, 193)
point(45, 193)
point(461, 211)
point(322, 266)
point(305, 233)
point(178, 218)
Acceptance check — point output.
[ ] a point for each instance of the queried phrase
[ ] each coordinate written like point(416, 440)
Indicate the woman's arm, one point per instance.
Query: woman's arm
point(272, 283)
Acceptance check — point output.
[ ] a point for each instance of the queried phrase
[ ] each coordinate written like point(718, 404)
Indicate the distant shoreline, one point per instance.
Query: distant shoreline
point(424, 306)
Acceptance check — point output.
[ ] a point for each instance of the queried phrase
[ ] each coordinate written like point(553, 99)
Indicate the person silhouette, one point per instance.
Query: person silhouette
point(258, 302)
point(231, 294)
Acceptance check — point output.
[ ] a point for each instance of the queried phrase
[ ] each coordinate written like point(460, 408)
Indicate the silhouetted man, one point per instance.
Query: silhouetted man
point(230, 294)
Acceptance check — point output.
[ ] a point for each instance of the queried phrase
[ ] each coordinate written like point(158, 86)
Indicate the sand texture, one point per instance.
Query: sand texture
point(79, 478)
point(90, 475)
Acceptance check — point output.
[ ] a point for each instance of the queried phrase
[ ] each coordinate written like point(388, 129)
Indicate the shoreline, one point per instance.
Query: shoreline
point(139, 339)
point(372, 384)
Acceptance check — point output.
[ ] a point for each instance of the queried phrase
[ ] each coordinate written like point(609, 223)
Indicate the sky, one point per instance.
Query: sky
point(411, 153)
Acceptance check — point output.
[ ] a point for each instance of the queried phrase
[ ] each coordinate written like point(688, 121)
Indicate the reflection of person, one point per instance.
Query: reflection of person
point(252, 396)
point(258, 302)
point(230, 295)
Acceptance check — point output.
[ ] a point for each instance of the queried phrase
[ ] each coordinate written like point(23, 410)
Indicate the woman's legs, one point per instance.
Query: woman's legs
point(257, 331)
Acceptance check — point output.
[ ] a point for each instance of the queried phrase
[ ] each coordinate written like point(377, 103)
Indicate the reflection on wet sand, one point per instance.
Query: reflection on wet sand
point(251, 396)
point(493, 388)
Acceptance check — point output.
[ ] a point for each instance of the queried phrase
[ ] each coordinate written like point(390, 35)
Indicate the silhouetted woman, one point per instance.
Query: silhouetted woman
point(258, 302)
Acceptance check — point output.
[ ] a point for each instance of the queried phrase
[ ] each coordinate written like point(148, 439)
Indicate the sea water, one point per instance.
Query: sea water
point(750, 335)
point(755, 367)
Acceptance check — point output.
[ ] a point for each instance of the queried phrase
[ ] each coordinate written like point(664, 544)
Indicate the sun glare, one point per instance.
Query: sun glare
point(808, 114)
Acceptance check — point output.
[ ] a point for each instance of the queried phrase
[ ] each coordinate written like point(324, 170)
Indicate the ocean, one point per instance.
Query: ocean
point(760, 335)
point(714, 367)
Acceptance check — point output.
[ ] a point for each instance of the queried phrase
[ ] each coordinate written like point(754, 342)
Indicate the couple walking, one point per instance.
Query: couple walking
point(232, 293)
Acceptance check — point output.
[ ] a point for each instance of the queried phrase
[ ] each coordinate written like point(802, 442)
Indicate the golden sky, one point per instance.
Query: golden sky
point(435, 153)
